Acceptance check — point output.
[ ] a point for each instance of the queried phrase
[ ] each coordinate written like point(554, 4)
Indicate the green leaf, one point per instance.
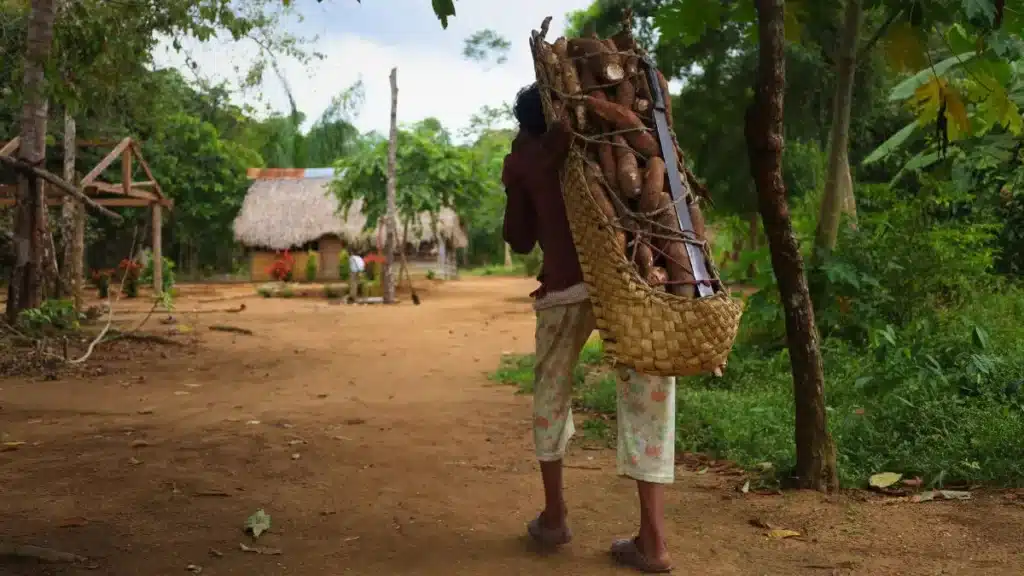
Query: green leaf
point(884, 479)
point(892, 144)
point(687, 21)
point(906, 89)
point(258, 523)
point(959, 40)
point(980, 10)
point(444, 9)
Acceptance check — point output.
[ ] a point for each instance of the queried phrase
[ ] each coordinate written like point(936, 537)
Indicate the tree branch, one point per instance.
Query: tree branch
point(878, 34)
point(20, 166)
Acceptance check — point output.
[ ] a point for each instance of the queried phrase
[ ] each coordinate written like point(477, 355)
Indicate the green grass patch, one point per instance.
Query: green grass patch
point(944, 401)
point(518, 269)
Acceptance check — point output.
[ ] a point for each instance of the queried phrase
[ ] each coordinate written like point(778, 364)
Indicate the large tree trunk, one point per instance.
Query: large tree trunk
point(25, 287)
point(815, 452)
point(388, 280)
point(839, 198)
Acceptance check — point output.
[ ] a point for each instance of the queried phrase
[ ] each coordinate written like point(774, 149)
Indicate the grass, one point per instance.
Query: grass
point(931, 406)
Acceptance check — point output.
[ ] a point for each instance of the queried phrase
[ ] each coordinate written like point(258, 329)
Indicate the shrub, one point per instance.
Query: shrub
point(287, 292)
point(167, 278)
point(431, 274)
point(312, 265)
point(343, 270)
point(283, 267)
point(131, 271)
point(51, 316)
point(331, 292)
point(101, 280)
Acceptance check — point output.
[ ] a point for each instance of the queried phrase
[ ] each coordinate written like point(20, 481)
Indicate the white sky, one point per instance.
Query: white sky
point(367, 39)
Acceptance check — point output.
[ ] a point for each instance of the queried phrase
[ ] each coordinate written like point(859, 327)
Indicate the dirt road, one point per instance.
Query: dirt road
point(377, 445)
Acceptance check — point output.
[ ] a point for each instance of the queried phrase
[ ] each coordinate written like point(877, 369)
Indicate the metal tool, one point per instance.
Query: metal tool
point(677, 188)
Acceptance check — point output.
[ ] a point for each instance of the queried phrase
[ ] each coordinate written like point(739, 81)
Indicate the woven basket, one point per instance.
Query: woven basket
point(649, 330)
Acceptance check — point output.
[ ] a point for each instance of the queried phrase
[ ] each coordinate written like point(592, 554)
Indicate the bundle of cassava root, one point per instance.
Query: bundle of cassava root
point(600, 88)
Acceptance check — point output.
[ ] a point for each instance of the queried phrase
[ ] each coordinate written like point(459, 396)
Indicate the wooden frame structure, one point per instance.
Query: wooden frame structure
point(126, 193)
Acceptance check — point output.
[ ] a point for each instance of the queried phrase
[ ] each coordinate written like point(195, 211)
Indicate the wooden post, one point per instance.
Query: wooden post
point(390, 222)
point(158, 252)
point(126, 171)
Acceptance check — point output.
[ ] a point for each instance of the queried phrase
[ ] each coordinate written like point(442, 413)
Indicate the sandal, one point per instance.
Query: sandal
point(548, 537)
point(627, 553)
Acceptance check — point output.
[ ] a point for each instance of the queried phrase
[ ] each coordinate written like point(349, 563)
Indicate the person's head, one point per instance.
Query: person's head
point(529, 111)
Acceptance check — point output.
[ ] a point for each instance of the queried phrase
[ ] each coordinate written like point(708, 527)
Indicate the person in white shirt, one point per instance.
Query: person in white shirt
point(356, 267)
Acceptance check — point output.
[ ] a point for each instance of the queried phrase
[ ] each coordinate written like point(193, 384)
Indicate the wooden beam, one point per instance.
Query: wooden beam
point(119, 190)
point(126, 171)
point(11, 147)
point(145, 167)
point(111, 202)
point(106, 162)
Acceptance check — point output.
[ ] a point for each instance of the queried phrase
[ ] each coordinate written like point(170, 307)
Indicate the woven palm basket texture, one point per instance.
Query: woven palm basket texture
point(643, 328)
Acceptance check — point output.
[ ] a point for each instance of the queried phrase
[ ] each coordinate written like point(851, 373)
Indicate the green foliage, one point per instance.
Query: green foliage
point(52, 316)
point(533, 261)
point(432, 173)
point(343, 268)
point(167, 277)
point(312, 266)
point(485, 44)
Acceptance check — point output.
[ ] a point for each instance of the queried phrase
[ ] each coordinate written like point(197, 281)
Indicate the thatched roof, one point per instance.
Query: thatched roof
point(281, 213)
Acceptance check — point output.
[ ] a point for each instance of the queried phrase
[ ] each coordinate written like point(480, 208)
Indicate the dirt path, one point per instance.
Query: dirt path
point(374, 440)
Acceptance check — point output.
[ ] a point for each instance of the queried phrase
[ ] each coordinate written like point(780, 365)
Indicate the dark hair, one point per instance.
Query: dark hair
point(529, 112)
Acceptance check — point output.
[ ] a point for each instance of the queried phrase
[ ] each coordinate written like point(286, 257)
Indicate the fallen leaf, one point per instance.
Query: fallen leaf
point(746, 487)
point(759, 523)
point(140, 444)
point(76, 522)
point(11, 446)
point(780, 533)
point(181, 392)
point(193, 568)
point(703, 470)
point(216, 553)
point(253, 422)
point(134, 461)
point(146, 411)
point(259, 550)
point(296, 456)
point(258, 523)
point(884, 479)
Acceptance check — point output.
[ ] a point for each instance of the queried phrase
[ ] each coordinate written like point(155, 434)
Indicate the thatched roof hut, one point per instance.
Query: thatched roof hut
point(286, 208)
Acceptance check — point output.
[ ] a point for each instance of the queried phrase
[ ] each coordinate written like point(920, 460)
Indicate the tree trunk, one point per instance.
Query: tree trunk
point(752, 244)
point(388, 280)
point(508, 256)
point(815, 453)
point(839, 199)
point(25, 287)
point(72, 222)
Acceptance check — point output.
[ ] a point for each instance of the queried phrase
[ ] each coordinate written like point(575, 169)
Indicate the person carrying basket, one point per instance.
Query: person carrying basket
point(535, 214)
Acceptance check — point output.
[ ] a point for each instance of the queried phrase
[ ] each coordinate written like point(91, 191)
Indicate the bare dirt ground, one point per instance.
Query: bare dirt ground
point(374, 440)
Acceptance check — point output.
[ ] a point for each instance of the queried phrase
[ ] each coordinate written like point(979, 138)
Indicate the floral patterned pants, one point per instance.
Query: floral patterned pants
point(646, 404)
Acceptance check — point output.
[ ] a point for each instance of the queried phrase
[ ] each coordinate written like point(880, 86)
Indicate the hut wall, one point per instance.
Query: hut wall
point(330, 257)
point(260, 262)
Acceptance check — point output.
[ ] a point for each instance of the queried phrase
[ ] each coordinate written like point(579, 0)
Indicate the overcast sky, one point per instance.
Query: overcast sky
point(367, 39)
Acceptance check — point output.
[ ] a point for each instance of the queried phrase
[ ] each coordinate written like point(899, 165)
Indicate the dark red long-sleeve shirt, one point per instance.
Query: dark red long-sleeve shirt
point(535, 211)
